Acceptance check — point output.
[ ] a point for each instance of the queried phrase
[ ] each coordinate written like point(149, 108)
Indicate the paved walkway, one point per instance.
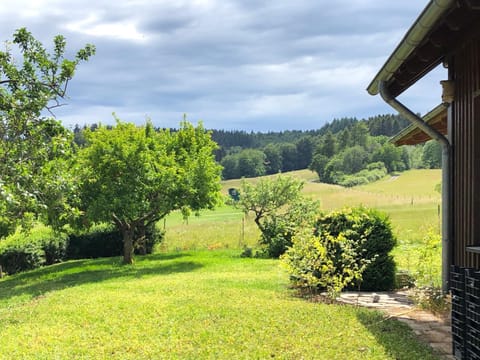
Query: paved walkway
point(428, 327)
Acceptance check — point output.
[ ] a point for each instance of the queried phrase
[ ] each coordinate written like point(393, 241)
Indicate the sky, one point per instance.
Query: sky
point(252, 65)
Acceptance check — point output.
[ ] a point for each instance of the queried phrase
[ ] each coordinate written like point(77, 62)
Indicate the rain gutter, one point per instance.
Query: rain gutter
point(447, 225)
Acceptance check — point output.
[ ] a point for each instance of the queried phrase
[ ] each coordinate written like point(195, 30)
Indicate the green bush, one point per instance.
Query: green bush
point(16, 257)
point(99, 241)
point(373, 172)
point(28, 250)
point(276, 236)
point(320, 261)
point(279, 229)
point(104, 240)
point(371, 231)
point(41, 246)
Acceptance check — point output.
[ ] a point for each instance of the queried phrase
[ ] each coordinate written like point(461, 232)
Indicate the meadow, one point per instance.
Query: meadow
point(196, 298)
point(410, 199)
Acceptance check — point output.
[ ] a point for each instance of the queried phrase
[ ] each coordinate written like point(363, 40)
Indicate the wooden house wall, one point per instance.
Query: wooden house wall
point(466, 153)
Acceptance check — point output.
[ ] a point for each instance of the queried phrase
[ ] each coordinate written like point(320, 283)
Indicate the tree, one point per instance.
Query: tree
point(359, 134)
point(289, 157)
point(268, 197)
point(432, 155)
point(318, 164)
point(28, 140)
point(329, 145)
point(230, 167)
point(279, 209)
point(273, 156)
point(134, 176)
point(251, 163)
point(391, 156)
point(305, 148)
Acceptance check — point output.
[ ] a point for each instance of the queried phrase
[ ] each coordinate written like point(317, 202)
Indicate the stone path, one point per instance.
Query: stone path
point(433, 330)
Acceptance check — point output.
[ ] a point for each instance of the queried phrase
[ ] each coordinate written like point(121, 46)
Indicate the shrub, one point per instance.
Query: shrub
point(320, 261)
point(279, 229)
point(432, 299)
point(99, 241)
point(372, 235)
point(43, 246)
point(16, 257)
point(103, 240)
point(28, 250)
point(429, 267)
point(373, 172)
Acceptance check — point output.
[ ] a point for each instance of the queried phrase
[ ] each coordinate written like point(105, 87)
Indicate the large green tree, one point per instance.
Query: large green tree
point(134, 176)
point(30, 140)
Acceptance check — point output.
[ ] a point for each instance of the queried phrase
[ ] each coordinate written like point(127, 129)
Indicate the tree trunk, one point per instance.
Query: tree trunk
point(127, 246)
point(142, 240)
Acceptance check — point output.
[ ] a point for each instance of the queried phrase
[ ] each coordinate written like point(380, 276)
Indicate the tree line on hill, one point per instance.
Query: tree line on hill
point(345, 151)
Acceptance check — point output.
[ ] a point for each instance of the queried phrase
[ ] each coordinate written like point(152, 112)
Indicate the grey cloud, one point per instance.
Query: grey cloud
point(249, 64)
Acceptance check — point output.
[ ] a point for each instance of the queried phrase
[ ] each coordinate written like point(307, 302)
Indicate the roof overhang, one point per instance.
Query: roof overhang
point(412, 135)
point(435, 34)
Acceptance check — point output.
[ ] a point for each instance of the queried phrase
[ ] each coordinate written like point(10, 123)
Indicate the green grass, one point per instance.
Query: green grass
point(186, 305)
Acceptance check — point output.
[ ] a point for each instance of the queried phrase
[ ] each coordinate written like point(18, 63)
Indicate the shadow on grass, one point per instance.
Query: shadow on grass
point(397, 338)
point(79, 272)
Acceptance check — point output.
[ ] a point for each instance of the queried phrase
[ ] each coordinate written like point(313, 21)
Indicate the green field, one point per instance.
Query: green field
point(185, 305)
point(410, 200)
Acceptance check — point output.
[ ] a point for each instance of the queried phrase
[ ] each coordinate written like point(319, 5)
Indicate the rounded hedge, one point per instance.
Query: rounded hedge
point(372, 231)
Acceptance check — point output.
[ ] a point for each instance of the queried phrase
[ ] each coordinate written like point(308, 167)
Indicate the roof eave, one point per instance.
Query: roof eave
point(415, 35)
point(438, 111)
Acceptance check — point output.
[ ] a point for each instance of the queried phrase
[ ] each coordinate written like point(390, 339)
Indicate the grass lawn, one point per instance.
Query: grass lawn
point(185, 305)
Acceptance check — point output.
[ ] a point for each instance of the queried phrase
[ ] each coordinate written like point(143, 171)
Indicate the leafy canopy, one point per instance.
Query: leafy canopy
point(29, 142)
point(134, 176)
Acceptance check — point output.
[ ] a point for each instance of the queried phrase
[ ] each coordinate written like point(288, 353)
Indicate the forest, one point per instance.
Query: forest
point(345, 151)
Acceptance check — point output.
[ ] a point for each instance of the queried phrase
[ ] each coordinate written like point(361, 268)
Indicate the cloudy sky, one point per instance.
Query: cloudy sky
point(234, 64)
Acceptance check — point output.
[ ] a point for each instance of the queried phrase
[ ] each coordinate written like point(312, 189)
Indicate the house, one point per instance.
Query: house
point(447, 33)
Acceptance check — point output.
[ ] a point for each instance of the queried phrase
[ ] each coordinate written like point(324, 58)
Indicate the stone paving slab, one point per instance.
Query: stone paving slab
point(432, 329)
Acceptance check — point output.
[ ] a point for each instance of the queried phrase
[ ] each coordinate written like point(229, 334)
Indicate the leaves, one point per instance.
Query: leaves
point(29, 142)
point(133, 176)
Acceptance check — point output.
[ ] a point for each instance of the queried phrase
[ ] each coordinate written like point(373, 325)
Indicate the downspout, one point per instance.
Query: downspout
point(447, 228)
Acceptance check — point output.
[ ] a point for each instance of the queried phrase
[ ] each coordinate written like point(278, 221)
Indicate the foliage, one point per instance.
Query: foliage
point(373, 172)
point(279, 229)
point(269, 197)
point(428, 267)
point(246, 163)
point(26, 250)
point(104, 240)
point(279, 210)
point(320, 261)
point(432, 155)
point(371, 233)
point(431, 298)
point(134, 176)
point(428, 293)
point(29, 141)
point(273, 159)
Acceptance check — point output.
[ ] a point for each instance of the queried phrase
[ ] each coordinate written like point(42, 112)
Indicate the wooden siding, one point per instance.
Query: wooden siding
point(466, 153)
